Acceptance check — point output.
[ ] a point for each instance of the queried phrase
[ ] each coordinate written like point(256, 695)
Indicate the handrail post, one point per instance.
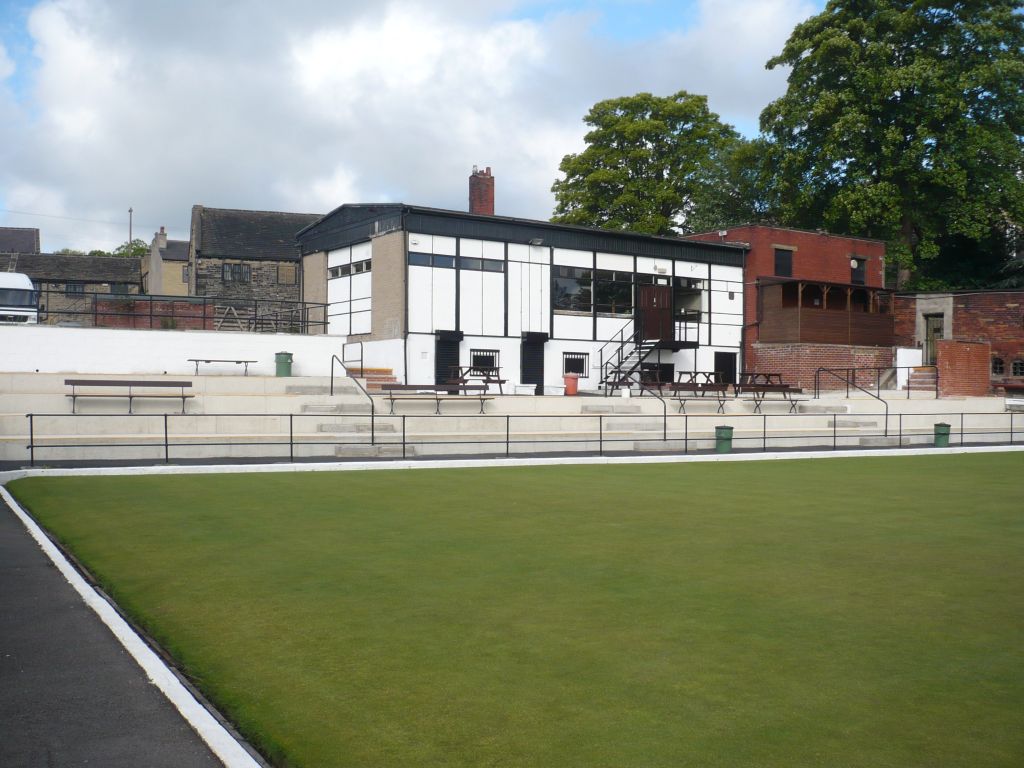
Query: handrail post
point(686, 433)
point(403, 435)
point(32, 438)
point(961, 428)
point(600, 435)
point(508, 430)
point(835, 437)
point(291, 438)
point(167, 449)
point(764, 433)
point(899, 442)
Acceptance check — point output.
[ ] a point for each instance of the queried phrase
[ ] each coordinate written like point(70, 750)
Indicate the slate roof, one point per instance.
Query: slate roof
point(19, 240)
point(252, 235)
point(176, 250)
point(60, 268)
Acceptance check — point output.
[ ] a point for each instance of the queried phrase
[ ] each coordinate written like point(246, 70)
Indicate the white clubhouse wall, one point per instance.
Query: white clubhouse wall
point(52, 349)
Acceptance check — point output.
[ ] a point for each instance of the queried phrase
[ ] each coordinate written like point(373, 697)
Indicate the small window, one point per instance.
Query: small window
point(493, 265)
point(783, 263)
point(469, 263)
point(446, 262)
point(858, 270)
point(286, 274)
point(237, 273)
point(483, 358)
point(120, 288)
point(575, 362)
point(419, 259)
point(184, 274)
point(361, 266)
point(998, 368)
point(74, 289)
point(1018, 367)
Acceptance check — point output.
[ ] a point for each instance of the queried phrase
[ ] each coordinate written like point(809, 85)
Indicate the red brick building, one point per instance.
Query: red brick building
point(933, 321)
point(811, 299)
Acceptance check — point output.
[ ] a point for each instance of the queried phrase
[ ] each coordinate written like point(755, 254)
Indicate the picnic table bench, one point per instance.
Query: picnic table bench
point(131, 385)
point(697, 385)
point(485, 374)
point(198, 360)
point(760, 385)
point(1014, 394)
point(436, 392)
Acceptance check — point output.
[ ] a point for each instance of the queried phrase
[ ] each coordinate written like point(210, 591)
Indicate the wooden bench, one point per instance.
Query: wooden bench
point(760, 385)
point(1014, 396)
point(132, 387)
point(198, 360)
point(435, 392)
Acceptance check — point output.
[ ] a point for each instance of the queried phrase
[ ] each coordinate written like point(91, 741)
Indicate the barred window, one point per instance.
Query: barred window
point(237, 273)
point(575, 362)
point(1018, 367)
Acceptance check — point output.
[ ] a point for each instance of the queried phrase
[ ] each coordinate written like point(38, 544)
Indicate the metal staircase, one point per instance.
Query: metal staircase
point(622, 357)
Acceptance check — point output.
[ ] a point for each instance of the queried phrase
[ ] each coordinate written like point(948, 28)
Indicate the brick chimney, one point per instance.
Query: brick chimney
point(161, 239)
point(481, 192)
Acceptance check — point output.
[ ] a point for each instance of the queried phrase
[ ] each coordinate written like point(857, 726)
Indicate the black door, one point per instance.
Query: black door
point(934, 330)
point(654, 305)
point(531, 356)
point(725, 367)
point(446, 357)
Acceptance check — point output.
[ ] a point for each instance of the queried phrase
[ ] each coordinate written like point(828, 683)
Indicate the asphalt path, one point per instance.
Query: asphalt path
point(70, 695)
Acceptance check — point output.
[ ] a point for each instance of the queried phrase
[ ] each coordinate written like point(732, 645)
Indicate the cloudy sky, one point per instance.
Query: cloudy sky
point(305, 105)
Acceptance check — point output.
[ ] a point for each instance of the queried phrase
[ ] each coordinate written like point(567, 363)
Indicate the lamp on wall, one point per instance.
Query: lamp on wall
point(854, 263)
point(536, 241)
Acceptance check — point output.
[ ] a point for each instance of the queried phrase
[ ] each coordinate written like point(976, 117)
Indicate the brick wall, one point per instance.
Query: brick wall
point(798, 362)
point(963, 368)
point(998, 318)
point(263, 283)
point(904, 315)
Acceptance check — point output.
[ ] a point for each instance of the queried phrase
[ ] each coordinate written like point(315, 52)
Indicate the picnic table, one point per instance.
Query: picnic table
point(485, 374)
point(760, 385)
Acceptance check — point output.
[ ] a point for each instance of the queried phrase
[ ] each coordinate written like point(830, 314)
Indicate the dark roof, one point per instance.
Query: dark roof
point(252, 235)
point(764, 225)
point(351, 223)
point(176, 250)
point(59, 268)
point(19, 240)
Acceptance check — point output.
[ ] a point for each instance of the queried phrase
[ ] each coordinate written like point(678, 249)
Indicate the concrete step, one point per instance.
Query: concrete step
point(309, 389)
point(345, 406)
point(854, 423)
point(878, 441)
point(357, 428)
point(615, 408)
point(804, 408)
point(356, 451)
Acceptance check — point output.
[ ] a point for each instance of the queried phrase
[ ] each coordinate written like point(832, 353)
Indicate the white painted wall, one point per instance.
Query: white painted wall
point(54, 349)
point(907, 356)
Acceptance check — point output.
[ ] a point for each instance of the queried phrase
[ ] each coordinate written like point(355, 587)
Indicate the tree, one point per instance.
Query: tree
point(904, 121)
point(653, 164)
point(137, 249)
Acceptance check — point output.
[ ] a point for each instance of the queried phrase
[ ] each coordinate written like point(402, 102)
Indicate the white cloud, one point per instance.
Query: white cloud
point(316, 103)
point(6, 65)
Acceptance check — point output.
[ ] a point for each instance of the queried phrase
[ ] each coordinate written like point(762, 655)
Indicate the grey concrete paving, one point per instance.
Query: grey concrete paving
point(70, 695)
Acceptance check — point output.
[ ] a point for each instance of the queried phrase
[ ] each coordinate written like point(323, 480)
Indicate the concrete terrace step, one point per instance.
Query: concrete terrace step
point(610, 408)
point(348, 406)
point(855, 423)
point(358, 428)
point(386, 450)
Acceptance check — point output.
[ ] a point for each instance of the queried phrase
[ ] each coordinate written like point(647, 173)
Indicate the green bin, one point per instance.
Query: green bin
point(942, 435)
point(284, 363)
point(723, 439)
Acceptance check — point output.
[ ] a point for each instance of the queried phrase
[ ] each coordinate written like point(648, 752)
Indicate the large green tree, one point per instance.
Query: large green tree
point(904, 121)
point(660, 165)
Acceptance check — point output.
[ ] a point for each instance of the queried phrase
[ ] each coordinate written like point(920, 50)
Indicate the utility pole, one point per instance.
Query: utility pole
point(129, 232)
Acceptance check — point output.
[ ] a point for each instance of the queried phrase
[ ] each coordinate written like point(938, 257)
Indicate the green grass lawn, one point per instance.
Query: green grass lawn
point(847, 612)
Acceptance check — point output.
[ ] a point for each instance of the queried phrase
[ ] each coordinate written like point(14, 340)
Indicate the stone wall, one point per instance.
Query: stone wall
point(263, 282)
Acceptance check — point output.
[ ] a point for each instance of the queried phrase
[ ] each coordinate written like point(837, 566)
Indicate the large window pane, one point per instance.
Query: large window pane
point(571, 290)
point(613, 292)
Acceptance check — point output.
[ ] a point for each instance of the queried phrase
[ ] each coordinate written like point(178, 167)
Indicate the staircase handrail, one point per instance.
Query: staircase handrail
point(834, 372)
point(878, 378)
point(339, 361)
point(617, 337)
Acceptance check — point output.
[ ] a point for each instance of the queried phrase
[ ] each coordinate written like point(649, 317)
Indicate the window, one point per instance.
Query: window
point(613, 292)
point(359, 267)
point(858, 272)
point(1018, 368)
point(783, 263)
point(469, 263)
point(184, 274)
point(575, 362)
point(998, 368)
point(493, 265)
point(120, 288)
point(486, 265)
point(687, 298)
point(483, 358)
point(346, 270)
point(420, 259)
point(571, 289)
point(237, 273)
point(287, 274)
point(74, 289)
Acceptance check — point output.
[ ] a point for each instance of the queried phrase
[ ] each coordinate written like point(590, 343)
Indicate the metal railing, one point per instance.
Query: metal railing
point(373, 409)
point(499, 435)
point(207, 313)
point(849, 377)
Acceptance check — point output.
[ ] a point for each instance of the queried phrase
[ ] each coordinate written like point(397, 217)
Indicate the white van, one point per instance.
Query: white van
point(19, 301)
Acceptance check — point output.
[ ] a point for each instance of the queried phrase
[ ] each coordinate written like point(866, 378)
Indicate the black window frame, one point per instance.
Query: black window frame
point(580, 301)
point(1017, 367)
point(609, 284)
point(783, 268)
point(859, 273)
point(998, 366)
point(236, 273)
point(579, 360)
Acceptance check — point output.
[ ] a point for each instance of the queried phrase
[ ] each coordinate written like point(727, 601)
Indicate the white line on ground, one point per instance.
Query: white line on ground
point(219, 740)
